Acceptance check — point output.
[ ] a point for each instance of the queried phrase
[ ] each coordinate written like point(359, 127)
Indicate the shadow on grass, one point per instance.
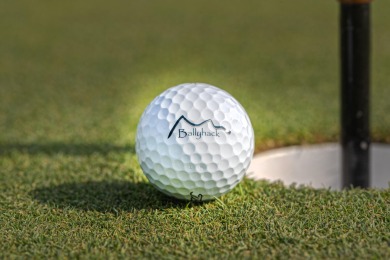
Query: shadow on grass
point(106, 196)
point(77, 149)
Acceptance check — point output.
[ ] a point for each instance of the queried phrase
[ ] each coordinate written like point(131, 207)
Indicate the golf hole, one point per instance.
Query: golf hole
point(317, 166)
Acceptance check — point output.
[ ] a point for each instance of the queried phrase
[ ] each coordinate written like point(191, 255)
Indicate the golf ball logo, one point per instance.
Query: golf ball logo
point(197, 130)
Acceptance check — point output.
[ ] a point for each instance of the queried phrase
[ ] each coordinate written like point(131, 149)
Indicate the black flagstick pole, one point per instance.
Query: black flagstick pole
point(355, 92)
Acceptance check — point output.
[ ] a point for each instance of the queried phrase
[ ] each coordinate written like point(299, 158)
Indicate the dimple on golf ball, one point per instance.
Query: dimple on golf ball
point(194, 142)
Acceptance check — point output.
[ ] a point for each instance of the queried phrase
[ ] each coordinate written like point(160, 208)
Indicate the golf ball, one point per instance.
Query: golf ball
point(194, 142)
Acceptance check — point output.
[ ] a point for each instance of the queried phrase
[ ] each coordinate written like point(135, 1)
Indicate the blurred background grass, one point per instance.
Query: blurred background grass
point(84, 71)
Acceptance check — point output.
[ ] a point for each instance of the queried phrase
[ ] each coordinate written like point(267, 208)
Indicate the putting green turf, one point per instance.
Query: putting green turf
point(75, 78)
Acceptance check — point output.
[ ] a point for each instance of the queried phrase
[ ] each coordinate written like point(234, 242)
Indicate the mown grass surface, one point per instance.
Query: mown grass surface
point(74, 79)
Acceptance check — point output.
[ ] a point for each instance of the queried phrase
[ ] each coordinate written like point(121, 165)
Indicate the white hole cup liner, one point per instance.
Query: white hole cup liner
point(317, 166)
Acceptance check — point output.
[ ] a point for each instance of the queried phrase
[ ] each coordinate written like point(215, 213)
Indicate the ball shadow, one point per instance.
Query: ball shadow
point(106, 196)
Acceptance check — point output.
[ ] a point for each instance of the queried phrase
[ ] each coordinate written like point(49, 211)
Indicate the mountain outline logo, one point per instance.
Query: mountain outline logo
point(216, 127)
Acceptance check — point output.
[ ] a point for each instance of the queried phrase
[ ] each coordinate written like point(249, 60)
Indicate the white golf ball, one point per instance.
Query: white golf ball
point(194, 142)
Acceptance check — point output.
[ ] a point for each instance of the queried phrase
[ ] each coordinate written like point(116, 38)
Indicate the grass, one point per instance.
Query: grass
point(75, 78)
